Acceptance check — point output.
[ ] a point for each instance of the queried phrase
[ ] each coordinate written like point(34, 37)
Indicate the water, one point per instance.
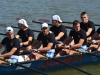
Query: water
point(68, 10)
point(92, 68)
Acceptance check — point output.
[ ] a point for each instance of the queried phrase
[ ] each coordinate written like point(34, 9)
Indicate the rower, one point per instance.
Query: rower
point(95, 41)
point(87, 25)
point(24, 33)
point(12, 45)
point(47, 47)
point(79, 37)
point(58, 30)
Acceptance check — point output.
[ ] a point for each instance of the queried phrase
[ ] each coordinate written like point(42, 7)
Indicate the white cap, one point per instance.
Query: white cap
point(44, 25)
point(9, 29)
point(56, 17)
point(23, 21)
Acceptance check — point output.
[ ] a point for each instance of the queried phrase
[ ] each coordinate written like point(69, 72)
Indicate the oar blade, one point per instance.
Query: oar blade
point(3, 25)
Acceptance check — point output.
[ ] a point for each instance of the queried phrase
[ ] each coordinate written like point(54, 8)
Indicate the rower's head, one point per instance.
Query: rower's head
point(56, 20)
point(45, 28)
point(22, 24)
point(76, 25)
point(10, 32)
point(84, 17)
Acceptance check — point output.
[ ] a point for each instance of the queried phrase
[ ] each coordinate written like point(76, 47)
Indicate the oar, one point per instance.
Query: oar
point(2, 34)
point(71, 66)
point(55, 59)
point(97, 25)
point(72, 23)
point(31, 29)
point(86, 53)
point(45, 20)
point(68, 22)
point(4, 25)
point(51, 24)
point(31, 69)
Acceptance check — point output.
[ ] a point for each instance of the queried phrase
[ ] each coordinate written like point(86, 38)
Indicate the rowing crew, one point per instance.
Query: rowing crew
point(12, 43)
point(79, 35)
point(55, 37)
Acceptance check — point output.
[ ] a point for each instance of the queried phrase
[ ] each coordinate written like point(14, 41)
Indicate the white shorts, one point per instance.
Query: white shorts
point(83, 48)
point(50, 53)
point(19, 58)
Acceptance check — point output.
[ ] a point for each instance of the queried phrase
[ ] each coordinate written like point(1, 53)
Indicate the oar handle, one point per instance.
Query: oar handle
point(68, 22)
point(72, 23)
point(31, 29)
point(2, 34)
point(52, 25)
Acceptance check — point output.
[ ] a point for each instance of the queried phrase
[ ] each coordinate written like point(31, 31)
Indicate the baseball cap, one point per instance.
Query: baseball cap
point(44, 25)
point(56, 17)
point(9, 29)
point(23, 21)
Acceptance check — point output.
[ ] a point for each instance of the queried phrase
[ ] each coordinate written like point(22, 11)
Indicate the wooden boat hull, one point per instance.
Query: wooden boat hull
point(49, 64)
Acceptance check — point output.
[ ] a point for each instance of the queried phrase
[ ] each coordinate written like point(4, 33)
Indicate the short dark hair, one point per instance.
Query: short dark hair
point(83, 13)
point(75, 22)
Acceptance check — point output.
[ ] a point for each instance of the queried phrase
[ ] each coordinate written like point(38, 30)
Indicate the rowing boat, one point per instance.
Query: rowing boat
point(44, 64)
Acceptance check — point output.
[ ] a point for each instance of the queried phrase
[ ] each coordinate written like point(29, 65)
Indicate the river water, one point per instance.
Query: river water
point(68, 10)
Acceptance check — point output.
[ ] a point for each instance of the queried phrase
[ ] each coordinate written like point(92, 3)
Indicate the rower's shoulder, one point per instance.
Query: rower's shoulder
point(62, 26)
point(52, 27)
point(83, 31)
point(29, 30)
point(16, 40)
point(40, 33)
point(51, 35)
point(90, 21)
point(5, 38)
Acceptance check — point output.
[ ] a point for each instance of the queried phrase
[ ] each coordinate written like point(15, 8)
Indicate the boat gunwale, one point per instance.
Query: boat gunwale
point(24, 62)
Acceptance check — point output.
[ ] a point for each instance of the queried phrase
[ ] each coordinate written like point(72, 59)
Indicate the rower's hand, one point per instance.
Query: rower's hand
point(35, 50)
point(66, 47)
point(94, 42)
point(63, 49)
point(20, 44)
point(50, 32)
point(89, 41)
point(59, 45)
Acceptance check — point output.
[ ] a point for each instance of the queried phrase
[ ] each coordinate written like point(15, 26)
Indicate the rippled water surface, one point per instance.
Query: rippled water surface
point(68, 10)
